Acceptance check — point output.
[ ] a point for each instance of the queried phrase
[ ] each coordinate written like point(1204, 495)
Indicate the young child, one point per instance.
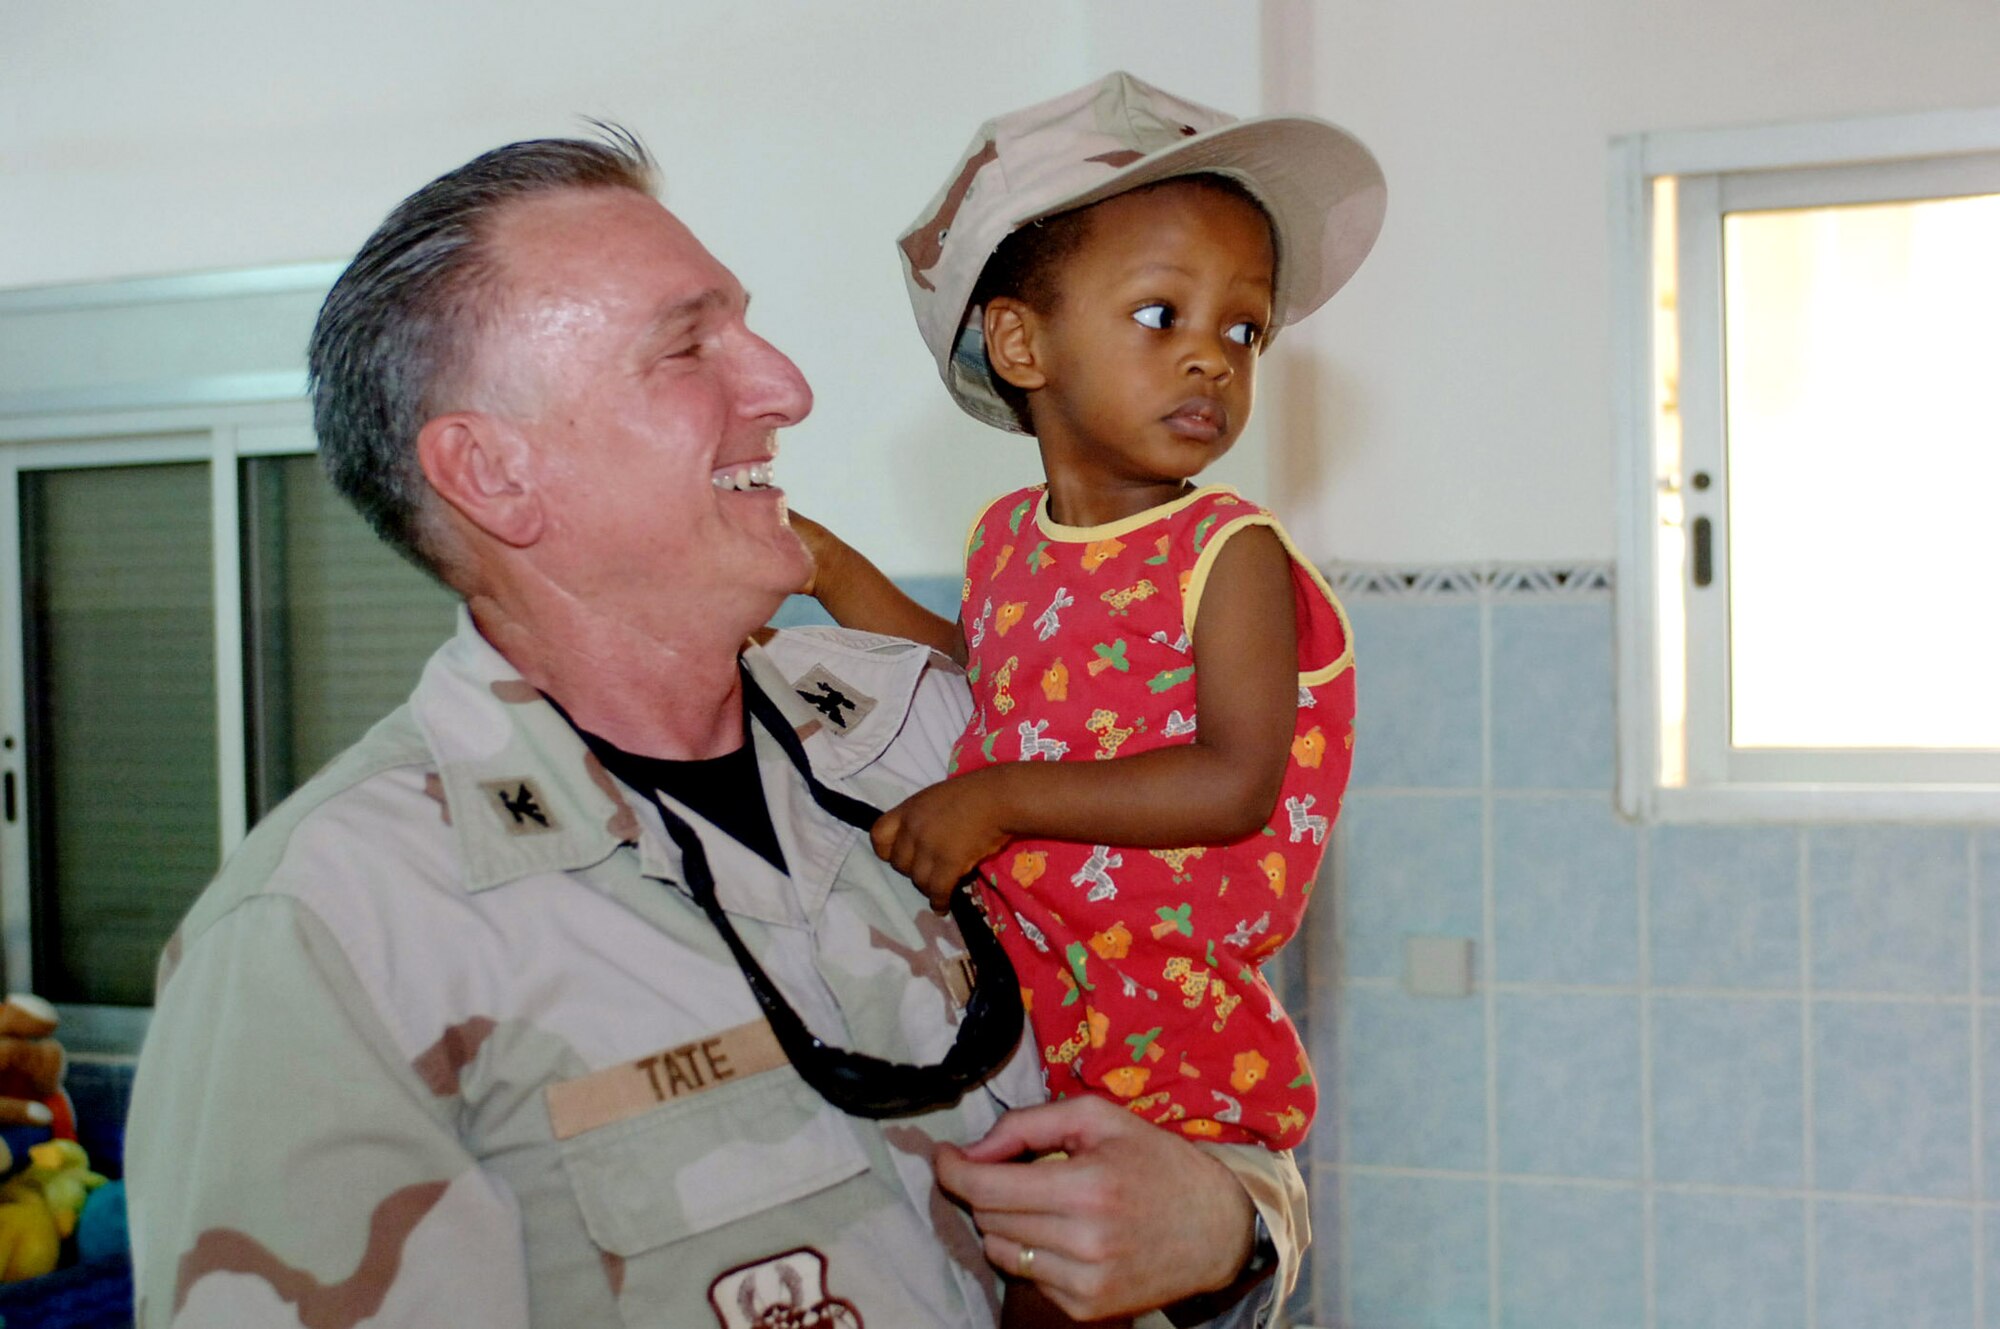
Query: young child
point(1102, 271)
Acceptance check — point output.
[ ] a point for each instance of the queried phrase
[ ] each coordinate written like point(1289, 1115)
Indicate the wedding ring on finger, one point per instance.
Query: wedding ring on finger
point(1024, 1262)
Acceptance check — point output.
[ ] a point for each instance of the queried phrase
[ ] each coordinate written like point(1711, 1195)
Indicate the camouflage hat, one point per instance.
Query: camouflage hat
point(1323, 190)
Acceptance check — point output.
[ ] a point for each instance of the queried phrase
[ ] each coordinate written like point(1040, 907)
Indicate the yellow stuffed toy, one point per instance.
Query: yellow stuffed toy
point(39, 1208)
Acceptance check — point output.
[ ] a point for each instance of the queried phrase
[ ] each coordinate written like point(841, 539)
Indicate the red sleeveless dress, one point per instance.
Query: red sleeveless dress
point(1141, 968)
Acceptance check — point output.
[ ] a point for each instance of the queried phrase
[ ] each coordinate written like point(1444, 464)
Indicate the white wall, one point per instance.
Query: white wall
point(1453, 403)
point(797, 138)
point(1464, 376)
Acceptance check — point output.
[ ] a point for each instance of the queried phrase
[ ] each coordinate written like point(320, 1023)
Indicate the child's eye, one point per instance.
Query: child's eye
point(1158, 317)
point(1244, 334)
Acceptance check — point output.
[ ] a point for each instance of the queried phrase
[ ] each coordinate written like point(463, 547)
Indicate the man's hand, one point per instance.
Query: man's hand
point(936, 836)
point(1135, 1218)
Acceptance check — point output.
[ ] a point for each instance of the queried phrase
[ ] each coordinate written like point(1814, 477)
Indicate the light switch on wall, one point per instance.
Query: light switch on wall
point(1437, 966)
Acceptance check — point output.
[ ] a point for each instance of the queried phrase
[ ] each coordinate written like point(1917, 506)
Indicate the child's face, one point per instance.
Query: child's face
point(1149, 358)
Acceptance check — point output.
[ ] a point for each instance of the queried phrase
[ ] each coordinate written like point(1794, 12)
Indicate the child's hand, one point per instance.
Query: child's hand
point(858, 595)
point(937, 836)
point(821, 543)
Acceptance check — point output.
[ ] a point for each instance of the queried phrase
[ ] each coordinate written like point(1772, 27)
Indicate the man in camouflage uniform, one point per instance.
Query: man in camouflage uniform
point(447, 1042)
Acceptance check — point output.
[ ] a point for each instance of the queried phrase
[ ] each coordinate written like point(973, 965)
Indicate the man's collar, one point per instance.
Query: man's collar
point(846, 693)
point(526, 796)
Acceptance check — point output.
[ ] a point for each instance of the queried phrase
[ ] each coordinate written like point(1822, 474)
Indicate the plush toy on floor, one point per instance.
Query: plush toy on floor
point(39, 1208)
point(31, 1067)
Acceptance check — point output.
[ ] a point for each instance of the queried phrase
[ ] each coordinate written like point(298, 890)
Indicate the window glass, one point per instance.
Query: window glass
point(336, 625)
point(119, 624)
point(1862, 468)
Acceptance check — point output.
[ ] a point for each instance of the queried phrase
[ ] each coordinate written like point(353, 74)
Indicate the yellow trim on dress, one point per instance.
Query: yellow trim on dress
point(1205, 563)
point(1055, 530)
point(965, 553)
point(972, 529)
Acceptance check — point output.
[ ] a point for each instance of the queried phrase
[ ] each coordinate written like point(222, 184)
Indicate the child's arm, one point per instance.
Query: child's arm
point(858, 595)
point(1219, 788)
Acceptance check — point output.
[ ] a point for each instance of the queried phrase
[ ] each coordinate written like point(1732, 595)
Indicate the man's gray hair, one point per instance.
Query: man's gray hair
point(398, 328)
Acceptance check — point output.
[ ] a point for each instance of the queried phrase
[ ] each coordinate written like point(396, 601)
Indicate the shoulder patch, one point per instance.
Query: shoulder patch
point(520, 806)
point(840, 704)
point(778, 1292)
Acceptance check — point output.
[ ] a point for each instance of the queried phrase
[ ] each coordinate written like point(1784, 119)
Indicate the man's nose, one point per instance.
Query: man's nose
point(770, 387)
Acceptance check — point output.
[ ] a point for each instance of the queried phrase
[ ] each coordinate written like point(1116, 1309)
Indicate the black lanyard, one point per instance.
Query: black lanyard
point(855, 1082)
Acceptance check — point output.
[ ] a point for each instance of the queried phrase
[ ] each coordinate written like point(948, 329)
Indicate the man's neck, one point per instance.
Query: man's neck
point(653, 692)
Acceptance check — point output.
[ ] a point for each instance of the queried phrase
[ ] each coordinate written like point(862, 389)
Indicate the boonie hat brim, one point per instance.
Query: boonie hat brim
point(1321, 186)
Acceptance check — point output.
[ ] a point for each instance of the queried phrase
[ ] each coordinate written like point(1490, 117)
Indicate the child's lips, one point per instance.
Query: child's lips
point(1202, 419)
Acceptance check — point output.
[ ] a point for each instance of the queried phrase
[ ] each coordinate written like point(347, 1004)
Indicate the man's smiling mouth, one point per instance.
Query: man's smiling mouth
point(743, 475)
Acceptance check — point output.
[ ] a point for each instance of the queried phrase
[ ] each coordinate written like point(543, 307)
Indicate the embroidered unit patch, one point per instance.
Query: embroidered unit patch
point(841, 705)
point(520, 806)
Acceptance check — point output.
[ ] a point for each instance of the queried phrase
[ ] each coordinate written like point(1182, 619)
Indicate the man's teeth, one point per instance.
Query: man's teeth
point(756, 475)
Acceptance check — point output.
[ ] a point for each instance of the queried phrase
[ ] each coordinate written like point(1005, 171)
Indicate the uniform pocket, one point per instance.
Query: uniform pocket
point(688, 1167)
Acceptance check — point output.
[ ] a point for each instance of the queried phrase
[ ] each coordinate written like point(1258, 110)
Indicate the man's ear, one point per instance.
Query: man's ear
point(1011, 326)
point(480, 466)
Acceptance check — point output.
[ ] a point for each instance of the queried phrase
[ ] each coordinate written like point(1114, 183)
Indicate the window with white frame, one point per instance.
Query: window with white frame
point(191, 621)
point(200, 628)
point(1810, 337)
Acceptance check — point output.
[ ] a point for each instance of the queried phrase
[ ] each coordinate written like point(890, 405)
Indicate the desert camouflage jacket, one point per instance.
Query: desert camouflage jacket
point(447, 1044)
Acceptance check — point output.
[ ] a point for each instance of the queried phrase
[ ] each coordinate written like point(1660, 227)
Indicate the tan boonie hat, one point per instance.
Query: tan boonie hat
point(1322, 188)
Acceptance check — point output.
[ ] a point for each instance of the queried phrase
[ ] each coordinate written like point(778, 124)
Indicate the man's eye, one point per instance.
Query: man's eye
point(1244, 334)
point(1157, 317)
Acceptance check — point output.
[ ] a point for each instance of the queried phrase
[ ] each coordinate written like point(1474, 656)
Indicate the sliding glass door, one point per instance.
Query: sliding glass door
point(194, 623)
point(119, 646)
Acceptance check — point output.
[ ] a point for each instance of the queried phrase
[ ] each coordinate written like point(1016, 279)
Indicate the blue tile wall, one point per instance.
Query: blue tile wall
point(1891, 909)
point(1709, 1077)
point(1724, 905)
point(935, 593)
point(1990, 1267)
point(1892, 1098)
point(1418, 1250)
point(1325, 1034)
point(1571, 1257)
point(1417, 681)
point(800, 611)
point(1893, 1266)
point(1986, 848)
point(1410, 864)
point(1413, 1080)
point(1729, 1091)
point(1989, 1061)
point(1569, 1100)
point(1565, 892)
point(1321, 1282)
point(1734, 1260)
point(1552, 684)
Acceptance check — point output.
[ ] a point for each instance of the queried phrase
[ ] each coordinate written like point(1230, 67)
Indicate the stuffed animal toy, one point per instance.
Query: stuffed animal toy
point(31, 1067)
point(102, 1234)
point(39, 1208)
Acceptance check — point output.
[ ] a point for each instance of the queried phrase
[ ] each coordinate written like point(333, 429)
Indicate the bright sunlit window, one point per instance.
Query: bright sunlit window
point(1811, 601)
point(1862, 361)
